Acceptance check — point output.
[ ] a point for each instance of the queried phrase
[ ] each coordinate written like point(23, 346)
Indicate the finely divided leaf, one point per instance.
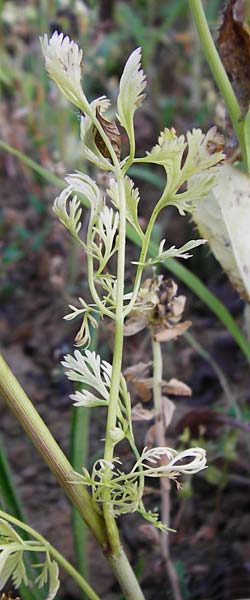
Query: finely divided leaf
point(173, 252)
point(131, 95)
point(49, 572)
point(132, 201)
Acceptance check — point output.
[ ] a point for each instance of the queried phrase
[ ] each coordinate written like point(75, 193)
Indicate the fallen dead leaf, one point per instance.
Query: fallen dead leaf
point(170, 333)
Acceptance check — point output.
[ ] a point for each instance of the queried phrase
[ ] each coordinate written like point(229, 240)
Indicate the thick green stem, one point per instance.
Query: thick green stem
point(126, 577)
point(220, 75)
point(83, 584)
point(30, 420)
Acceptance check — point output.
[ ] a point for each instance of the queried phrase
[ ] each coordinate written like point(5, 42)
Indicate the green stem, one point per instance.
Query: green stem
point(83, 584)
point(143, 256)
point(126, 577)
point(30, 420)
point(220, 75)
point(116, 366)
point(118, 559)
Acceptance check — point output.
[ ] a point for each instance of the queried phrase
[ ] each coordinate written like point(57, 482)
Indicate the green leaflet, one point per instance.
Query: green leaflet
point(132, 84)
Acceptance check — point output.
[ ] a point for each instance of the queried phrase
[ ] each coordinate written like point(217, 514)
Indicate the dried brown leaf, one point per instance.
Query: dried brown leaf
point(168, 408)
point(112, 132)
point(176, 387)
point(170, 333)
point(150, 437)
point(9, 597)
point(137, 371)
point(135, 375)
point(177, 305)
point(135, 323)
point(142, 414)
point(143, 390)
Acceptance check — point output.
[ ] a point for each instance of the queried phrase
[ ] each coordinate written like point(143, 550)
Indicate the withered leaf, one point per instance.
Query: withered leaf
point(136, 375)
point(137, 322)
point(142, 389)
point(168, 408)
point(176, 306)
point(170, 333)
point(138, 370)
point(176, 388)
point(9, 597)
point(112, 132)
point(142, 414)
point(150, 437)
point(234, 49)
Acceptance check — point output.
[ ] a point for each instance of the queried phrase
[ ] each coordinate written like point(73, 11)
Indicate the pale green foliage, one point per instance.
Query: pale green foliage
point(83, 337)
point(127, 488)
point(85, 186)
point(68, 212)
point(173, 252)
point(63, 61)
point(91, 371)
point(49, 574)
point(95, 373)
point(168, 152)
point(199, 162)
point(131, 95)
point(190, 161)
point(153, 518)
point(109, 285)
point(132, 200)
point(105, 229)
point(12, 549)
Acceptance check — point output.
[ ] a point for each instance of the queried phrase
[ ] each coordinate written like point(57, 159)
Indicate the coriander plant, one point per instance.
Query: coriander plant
point(190, 163)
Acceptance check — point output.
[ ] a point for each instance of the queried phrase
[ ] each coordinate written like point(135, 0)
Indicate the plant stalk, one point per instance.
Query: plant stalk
point(126, 577)
point(220, 76)
point(118, 559)
point(164, 482)
point(112, 530)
